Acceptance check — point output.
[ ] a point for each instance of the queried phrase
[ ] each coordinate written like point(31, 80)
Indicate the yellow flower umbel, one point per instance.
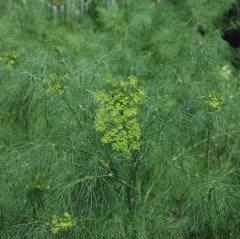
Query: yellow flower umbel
point(39, 183)
point(9, 59)
point(215, 100)
point(117, 114)
point(54, 83)
point(61, 224)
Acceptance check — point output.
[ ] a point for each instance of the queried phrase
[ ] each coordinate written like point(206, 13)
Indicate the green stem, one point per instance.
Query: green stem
point(208, 140)
point(132, 193)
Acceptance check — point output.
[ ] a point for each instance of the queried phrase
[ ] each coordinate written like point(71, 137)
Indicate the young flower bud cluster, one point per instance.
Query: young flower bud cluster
point(54, 83)
point(61, 224)
point(39, 183)
point(9, 59)
point(215, 100)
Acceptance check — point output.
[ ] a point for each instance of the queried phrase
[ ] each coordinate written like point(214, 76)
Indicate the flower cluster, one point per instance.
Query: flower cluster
point(54, 83)
point(61, 224)
point(215, 100)
point(226, 72)
point(38, 184)
point(9, 59)
point(117, 114)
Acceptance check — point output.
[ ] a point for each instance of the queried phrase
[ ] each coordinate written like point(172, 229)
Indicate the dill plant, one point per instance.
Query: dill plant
point(55, 84)
point(36, 192)
point(116, 117)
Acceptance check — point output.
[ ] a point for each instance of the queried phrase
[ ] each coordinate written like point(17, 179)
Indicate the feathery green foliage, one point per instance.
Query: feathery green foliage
point(66, 129)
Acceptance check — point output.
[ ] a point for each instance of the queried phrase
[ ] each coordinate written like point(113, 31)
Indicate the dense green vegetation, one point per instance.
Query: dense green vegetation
point(120, 122)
